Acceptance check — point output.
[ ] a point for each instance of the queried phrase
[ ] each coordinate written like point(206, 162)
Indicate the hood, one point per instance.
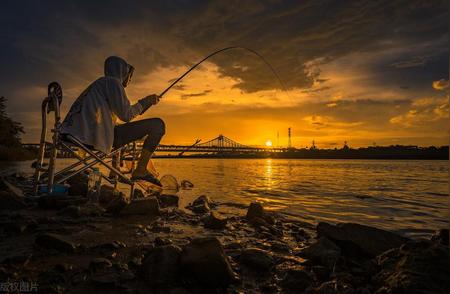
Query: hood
point(116, 67)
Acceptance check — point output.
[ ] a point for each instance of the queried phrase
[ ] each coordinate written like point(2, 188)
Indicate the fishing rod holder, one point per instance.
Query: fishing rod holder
point(51, 103)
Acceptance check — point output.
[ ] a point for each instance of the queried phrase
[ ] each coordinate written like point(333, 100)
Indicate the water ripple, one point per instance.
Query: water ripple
point(408, 196)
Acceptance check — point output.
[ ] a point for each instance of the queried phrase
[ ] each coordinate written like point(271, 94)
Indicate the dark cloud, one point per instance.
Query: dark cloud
point(179, 87)
point(417, 61)
point(288, 33)
point(187, 96)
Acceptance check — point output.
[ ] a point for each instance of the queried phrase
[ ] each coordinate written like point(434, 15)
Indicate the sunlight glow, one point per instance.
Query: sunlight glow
point(269, 143)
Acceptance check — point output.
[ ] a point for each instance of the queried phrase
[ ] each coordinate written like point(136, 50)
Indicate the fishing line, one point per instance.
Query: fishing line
point(222, 50)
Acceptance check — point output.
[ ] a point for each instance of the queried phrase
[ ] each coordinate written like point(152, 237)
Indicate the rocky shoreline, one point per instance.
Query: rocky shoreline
point(64, 244)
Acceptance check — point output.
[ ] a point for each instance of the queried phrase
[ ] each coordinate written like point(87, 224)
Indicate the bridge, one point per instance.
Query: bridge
point(218, 145)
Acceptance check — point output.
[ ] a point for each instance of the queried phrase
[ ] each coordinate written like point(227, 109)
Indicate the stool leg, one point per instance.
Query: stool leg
point(116, 164)
point(132, 169)
point(132, 192)
point(55, 141)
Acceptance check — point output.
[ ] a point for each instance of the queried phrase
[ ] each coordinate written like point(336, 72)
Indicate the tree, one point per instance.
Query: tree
point(10, 130)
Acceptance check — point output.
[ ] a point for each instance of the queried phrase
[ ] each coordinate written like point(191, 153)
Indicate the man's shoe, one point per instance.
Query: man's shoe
point(149, 178)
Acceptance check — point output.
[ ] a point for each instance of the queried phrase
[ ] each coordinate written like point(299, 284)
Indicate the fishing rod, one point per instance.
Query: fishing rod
point(217, 52)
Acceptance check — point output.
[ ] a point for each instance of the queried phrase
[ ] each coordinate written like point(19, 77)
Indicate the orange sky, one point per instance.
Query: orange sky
point(353, 74)
point(217, 106)
point(207, 104)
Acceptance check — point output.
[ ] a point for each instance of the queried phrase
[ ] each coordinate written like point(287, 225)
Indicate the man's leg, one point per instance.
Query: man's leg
point(153, 128)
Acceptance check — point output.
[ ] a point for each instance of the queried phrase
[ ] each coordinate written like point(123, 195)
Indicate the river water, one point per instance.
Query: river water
point(407, 196)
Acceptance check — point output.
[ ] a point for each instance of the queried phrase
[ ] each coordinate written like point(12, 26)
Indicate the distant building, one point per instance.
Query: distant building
point(345, 146)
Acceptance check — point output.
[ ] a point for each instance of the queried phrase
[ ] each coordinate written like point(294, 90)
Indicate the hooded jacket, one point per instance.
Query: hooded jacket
point(94, 114)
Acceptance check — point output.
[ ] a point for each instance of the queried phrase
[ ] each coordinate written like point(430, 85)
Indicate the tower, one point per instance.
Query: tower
point(278, 138)
point(289, 140)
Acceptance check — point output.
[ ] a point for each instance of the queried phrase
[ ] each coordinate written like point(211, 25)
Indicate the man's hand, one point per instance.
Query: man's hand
point(148, 101)
point(154, 99)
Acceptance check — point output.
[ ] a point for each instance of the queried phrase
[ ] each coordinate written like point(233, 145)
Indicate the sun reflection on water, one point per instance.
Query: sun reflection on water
point(268, 173)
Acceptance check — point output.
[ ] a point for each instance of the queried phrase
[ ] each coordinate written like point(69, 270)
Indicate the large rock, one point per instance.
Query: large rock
point(255, 210)
point(92, 209)
point(12, 188)
point(359, 240)
point(323, 251)
point(441, 236)
point(112, 200)
point(58, 202)
point(108, 194)
point(321, 272)
point(147, 206)
point(203, 261)
point(415, 267)
point(257, 216)
point(56, 242)
point(201, 208)
point(166, 200)
point(296, 281)
point(109, 246)
point(71, 211)
point(201, 205)
point(215, 221)
point(99, 263)
point(115, 275)
point(202, 199)
point(78, 184)
point(9, 201)
point(16, 224)
point(257, 258)
point(161, 265)
point(116, 204)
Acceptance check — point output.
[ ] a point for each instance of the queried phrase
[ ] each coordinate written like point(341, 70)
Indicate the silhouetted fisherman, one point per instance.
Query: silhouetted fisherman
point(92, 119)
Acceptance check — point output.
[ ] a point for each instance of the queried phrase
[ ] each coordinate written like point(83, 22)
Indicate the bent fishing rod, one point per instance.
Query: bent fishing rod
point(217, 52)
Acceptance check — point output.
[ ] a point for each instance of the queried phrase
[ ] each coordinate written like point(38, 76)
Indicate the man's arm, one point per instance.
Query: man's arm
point(120, 105)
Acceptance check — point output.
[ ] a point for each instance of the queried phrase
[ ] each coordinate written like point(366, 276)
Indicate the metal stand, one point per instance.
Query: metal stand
point(71, 144)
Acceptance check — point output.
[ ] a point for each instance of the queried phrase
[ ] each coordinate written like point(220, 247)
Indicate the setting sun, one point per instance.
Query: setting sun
point(269, 143)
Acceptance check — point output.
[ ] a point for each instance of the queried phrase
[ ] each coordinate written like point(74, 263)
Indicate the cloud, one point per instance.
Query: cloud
point(442, 110)
point(423, 102)
point(315, 90)
point(179, 87)
point(423, 112)
point(441, 84)
point(416, 61)
point(368, 62)
point(186, 96)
